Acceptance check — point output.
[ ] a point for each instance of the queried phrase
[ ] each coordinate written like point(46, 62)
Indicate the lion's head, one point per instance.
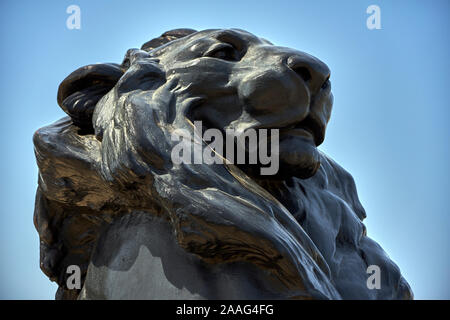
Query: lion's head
point(228, 79)
point(113, 155)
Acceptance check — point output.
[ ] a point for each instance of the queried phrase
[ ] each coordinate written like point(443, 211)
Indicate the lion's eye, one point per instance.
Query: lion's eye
point(224, 52)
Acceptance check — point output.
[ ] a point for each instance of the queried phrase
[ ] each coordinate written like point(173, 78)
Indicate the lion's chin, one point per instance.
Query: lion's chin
point(299, 157)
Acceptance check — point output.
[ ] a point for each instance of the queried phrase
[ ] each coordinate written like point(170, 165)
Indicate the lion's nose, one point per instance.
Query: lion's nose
point(311, 70)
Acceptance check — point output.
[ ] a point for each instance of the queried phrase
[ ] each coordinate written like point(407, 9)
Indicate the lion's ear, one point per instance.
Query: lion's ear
point(82, 89)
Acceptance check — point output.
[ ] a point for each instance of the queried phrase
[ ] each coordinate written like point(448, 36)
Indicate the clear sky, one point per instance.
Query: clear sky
point(389, 128)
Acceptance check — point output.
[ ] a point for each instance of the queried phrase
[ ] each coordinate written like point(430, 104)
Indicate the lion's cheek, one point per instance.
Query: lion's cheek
point(272, 91)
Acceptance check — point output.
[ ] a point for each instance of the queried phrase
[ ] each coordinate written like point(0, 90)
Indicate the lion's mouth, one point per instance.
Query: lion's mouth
point(308, 128)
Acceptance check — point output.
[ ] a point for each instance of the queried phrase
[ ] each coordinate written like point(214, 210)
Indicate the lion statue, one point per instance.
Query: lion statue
point(111, 201)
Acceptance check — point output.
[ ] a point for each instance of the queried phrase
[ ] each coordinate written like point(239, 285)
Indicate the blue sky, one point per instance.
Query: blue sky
point(389, 126)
